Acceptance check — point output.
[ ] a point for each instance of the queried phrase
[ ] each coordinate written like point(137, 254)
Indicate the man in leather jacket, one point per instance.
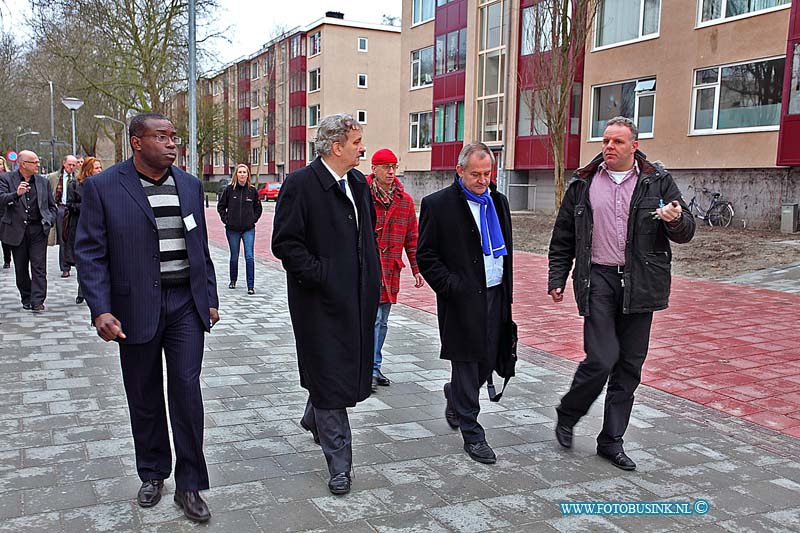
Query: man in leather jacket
point(615, 223)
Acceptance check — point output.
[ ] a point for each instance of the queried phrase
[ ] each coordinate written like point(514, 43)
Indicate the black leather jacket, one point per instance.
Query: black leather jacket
point(647, 252)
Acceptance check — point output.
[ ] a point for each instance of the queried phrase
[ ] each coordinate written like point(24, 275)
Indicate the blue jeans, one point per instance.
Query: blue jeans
point(381, 325)
point(248, 238)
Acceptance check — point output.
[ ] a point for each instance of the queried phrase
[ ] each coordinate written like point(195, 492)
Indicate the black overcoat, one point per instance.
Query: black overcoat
point(333, 277)
point(450, 259)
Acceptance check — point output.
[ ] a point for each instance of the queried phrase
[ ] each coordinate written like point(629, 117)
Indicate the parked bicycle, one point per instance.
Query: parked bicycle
point(718, 213)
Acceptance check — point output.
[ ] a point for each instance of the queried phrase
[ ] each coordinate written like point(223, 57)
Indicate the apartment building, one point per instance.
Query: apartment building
point(274, 99)
point(712, 84)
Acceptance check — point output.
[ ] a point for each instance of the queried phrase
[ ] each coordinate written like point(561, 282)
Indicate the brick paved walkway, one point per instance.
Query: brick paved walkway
point(735, 348)
point(66, 457)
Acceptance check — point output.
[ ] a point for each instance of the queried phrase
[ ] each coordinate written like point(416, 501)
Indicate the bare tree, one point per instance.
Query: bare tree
point(138, 47)
point(554, 36)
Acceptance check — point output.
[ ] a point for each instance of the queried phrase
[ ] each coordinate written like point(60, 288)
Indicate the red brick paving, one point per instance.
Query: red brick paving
point(730, 347)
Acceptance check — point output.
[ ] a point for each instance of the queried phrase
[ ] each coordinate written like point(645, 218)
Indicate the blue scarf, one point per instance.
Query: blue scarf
point(490, 224)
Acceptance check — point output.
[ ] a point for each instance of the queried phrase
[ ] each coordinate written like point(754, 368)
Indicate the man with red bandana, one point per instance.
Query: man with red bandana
point(396, 228)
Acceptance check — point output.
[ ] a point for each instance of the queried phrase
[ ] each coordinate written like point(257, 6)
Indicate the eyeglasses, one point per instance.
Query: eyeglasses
point(162, 139)
point(388, 166)
point(31, 162)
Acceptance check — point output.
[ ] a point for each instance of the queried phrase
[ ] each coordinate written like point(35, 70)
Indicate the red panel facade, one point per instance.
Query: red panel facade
point(789, 134)
point(448, 87)
point(532, 152)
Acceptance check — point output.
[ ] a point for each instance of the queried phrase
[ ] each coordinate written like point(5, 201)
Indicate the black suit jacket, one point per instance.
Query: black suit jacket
point(12, 207)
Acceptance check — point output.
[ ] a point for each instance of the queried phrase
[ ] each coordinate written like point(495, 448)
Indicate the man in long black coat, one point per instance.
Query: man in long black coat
point(324, 233)
point(464, 253)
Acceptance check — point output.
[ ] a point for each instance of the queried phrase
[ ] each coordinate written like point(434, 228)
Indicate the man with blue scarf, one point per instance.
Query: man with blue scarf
point(464, 253)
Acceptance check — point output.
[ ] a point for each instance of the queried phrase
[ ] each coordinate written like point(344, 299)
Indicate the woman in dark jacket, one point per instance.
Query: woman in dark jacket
point(240, 209)
point(90, 167)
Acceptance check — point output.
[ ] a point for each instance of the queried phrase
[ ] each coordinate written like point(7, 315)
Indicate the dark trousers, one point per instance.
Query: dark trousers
point(180, 335)
point(467, 377)
point(335, 437)
point(6, 254)
point(32, 285)
point(62, 243)
point(616, 346)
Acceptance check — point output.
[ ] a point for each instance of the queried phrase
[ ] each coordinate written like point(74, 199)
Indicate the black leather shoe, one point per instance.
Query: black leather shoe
point(618, 459)
point(251, 291)
point(79, 300)
point(65, 274)
point(314, 432)
point(232, 285)
point(27, 307)
point(374, 385)
point(564, 435)
point(6, 265)
point(449, 414)
point(150, 492)
point(37, 308)
point(340, 483)
point(481, 452)
point(383, 381)
point(194, 508)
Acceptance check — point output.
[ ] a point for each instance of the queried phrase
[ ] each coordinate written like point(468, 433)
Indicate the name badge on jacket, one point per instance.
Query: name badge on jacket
point(189, 222)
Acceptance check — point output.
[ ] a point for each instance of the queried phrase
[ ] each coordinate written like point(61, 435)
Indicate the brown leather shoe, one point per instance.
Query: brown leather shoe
point(150, 492)
point(194, 508)
point(65, 274)
point(38, 308)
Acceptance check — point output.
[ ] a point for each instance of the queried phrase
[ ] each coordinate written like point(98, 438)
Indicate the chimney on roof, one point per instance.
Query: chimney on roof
point(334, 14)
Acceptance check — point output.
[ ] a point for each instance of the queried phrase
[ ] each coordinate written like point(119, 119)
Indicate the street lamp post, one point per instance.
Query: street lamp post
point(73, 104)
point(124, 129)
point(16, 140)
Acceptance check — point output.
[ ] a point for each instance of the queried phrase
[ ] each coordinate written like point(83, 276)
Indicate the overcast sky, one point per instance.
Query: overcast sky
point(251, 22)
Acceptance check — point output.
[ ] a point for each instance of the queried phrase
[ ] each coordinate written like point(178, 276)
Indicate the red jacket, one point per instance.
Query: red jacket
point(396, 228)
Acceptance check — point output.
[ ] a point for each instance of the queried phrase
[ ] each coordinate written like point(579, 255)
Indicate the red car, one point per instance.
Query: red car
point(269, 191)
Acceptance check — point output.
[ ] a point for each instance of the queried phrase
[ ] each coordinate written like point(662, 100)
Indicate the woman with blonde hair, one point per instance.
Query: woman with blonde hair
point(90, 167)
point(6, 248)
point(240, 209)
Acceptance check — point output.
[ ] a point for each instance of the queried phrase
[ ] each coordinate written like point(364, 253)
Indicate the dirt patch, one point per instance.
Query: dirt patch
point(714, 253)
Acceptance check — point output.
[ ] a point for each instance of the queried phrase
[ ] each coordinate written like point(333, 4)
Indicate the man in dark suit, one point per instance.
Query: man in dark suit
point(324, 233)
point(28, 212)
point(59, 182)
point(142, 251)
point(464, 254)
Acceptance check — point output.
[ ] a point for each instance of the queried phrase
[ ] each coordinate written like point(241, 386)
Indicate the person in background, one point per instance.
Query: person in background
point(396, 228)
point(240, 209)
point(90, 167)
point(6, 247)
point(59, 182)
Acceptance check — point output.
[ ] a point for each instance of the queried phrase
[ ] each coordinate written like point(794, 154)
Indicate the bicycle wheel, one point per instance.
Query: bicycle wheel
point(720, 215)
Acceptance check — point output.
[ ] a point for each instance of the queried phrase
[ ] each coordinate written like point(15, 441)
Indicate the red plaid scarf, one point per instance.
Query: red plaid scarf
point(384, 197)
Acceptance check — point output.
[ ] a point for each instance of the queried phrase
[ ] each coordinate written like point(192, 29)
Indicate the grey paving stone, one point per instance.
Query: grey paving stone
point(46, 455)
point(458, 489)
point(37, 523)
point(58, 498)
point(350, 507)
point(413, 522)
point(468, 517)
point(301, 486)
point(120, 516)
point(77, 471)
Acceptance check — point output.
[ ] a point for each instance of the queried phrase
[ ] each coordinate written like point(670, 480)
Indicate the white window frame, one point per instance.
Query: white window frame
point(358, 116)
point(417, 64)
point(358, 81)
point(637, 96)
point(318, 77)
point(412, 123)
point(255, 128)
point(641, 37)
point(254, 67)
point(254, 156)
point(318, 116)
point(696, 88)
point(266, 156)
point(723, 19)
point(317, 35)
point(417, 4)
point(366, 44)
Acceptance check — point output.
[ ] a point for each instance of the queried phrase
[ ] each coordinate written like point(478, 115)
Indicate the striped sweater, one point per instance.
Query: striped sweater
point(163, 198)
